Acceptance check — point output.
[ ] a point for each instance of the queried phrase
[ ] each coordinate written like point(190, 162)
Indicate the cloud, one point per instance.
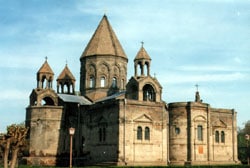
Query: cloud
point(213, 68)
point(67, 36)
point(175, 78)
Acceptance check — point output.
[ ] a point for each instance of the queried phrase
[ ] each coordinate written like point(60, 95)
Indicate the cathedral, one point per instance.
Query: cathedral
point(119, 121)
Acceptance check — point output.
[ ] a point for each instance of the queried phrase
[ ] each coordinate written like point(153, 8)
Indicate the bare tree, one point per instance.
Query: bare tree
point(13, 141)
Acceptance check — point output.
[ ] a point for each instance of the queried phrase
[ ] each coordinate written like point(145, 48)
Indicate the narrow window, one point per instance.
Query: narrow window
point(122, 84)
point(114, 82)
point(222, 136)
point(217, 136)
point(102, 81)
point(199, 133)
point(91, 82)
point(139, 133)
point(102, 134)
point(177, 130)
point(147, 133)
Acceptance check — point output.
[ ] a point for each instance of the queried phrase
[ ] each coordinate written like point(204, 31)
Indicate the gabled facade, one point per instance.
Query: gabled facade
point(119, 122)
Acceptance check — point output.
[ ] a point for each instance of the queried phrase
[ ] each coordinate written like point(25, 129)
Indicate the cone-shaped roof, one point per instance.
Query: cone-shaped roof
point(104, 41)
point(142, 54)
point(66, 74)
point(45, 68)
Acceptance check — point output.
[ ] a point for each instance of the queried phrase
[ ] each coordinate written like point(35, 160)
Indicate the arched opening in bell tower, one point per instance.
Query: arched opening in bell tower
point(148, 93)
point(47, 101)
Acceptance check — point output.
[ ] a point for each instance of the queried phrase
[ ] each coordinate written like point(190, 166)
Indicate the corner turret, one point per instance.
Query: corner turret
point(66, 78)
point(45, 73)
point(143, 87)
point(142, 59)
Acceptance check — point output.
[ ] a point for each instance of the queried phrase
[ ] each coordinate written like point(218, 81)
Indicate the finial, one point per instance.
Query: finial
point(66, 62)
point(105, 12)
point(197, 87)
point(197, 95)
point(154, 75)
point(46, 58)
point(142, 43)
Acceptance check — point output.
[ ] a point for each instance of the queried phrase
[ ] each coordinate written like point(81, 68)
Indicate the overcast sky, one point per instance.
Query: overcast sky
point(205, 42)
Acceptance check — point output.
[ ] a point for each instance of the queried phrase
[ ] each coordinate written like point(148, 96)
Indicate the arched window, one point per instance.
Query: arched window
point(148, 93)
point(199, 133)
point(147, 133)
point(177, 130)
point(47, 101)
point(50, 82)
point(217, 136)
point(91, 82)
point(139, 133)
point(103, 81)
point(43, 81)
point(222, 136)
point(114, 82)
point(65, 88)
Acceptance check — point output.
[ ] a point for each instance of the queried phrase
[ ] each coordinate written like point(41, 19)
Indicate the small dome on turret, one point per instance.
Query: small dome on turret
point(142, 54)
point(142, 60)
point(66, 78)
point(66, 74)
point(45, 73)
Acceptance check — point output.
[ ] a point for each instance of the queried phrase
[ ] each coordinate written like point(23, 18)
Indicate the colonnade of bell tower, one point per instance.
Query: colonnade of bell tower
point(142, 60)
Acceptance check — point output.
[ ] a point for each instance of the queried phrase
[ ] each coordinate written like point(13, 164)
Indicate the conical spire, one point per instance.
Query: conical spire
point(66, 74)
point(45, 68)
point(142, 54)
point(45, 73)
point(104, 41)
point(66, 78)
point(142, 59)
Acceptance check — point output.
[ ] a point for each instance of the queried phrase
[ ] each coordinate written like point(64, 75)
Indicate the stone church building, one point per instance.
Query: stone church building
point(122, 122)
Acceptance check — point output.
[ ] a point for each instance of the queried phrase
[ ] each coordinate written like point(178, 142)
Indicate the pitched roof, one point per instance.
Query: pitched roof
point(45, 68)
point(114, 96)
point(104, 41)
point(66, 74)
point(75, 99)
point(142, 54)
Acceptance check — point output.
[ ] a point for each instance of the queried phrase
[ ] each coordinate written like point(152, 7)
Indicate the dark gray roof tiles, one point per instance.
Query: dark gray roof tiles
point(75, 99)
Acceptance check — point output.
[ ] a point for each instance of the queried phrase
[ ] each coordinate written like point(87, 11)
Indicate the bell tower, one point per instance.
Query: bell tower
point(66, 82)
point(44, 117)
point(44, 93)
point(142, 86)
point(142, 61)
point(45, 76)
